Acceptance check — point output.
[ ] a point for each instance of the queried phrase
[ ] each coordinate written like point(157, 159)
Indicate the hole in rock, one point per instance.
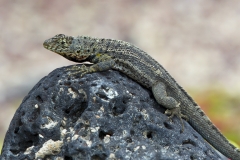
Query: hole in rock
point(168, 126)
point(149, 134)
point(39, 99)
point(102, 134)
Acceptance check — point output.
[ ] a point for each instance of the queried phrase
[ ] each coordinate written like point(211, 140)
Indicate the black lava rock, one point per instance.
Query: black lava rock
point(103, 115)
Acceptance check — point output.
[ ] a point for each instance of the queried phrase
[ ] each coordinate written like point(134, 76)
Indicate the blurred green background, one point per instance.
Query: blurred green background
point(198, 42)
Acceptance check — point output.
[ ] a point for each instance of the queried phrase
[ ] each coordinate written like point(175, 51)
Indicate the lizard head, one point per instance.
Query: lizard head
point(68, 47)
point(59, 44)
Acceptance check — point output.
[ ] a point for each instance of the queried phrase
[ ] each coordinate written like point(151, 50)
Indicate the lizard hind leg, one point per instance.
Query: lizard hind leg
point(173, 107)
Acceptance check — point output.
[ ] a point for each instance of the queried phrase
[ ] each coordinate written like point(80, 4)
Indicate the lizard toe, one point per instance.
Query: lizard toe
point(176, 112)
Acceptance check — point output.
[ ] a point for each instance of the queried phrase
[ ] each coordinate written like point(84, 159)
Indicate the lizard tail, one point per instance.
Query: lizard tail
point(200, 122)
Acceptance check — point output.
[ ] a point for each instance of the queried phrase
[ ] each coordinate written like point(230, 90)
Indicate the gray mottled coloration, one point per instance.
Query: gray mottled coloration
point(135, 63)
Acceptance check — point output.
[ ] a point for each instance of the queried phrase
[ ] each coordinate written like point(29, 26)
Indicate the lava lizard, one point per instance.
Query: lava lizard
point(119, 55)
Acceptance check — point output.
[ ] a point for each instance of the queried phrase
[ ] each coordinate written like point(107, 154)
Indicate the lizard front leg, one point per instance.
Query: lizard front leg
point(173, 107)
point(101, 64)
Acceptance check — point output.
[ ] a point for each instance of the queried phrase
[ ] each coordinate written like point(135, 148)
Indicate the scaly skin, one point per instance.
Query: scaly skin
point(135, 63)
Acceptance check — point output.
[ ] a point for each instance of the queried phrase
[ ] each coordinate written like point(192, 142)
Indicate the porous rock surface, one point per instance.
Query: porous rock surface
point(103, 115)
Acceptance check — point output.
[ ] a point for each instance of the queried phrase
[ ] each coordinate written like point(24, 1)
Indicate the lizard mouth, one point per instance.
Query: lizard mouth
point(50, 46)
point(46, 44)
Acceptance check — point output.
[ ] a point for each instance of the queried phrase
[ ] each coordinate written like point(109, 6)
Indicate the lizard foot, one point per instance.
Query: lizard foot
point(176, 112)
point(76, 70)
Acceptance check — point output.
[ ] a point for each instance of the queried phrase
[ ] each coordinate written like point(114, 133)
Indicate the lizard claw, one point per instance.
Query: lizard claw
point(83, 73)
point(176, 112)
